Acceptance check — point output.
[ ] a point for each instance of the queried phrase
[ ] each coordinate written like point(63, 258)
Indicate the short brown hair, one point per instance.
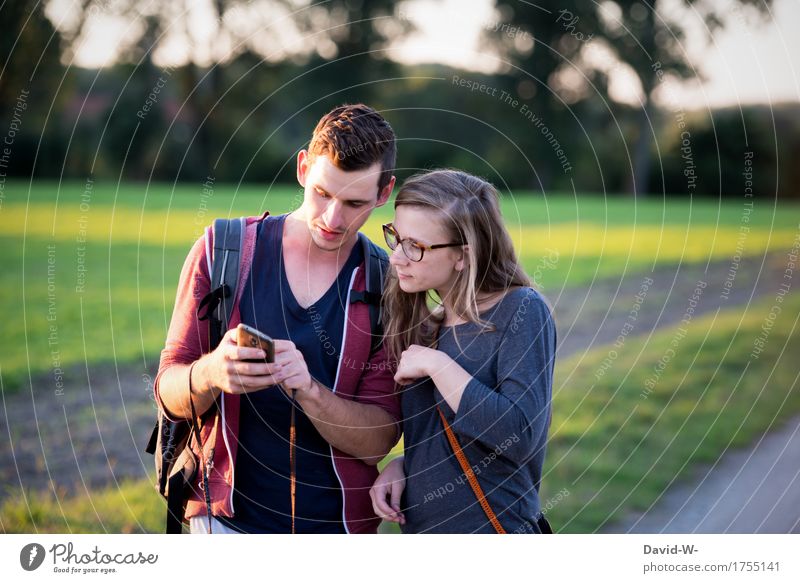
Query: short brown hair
point(355, 137)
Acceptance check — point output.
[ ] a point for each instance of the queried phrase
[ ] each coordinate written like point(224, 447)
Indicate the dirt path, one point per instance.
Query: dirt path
point(90, 436)
point(93, 435)
point(753, 490)
point(756, 489)
point(597, 314)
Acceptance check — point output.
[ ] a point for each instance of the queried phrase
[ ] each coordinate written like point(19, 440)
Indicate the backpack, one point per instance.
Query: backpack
point(175, 462)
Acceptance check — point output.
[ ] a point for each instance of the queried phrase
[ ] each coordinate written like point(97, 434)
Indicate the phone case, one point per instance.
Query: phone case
point(255, 339)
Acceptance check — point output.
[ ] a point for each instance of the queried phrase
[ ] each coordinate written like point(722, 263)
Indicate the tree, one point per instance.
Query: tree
point(29, 79)
point(650, 38)
point(343, 35)
point(542, 47)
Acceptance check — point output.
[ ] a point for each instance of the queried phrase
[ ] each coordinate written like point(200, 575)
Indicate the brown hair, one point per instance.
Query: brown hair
point(470, 212)
point(355, 137)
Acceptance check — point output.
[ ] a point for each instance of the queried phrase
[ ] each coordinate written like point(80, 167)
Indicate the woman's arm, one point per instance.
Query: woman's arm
point(387, 491)
point(511, 416)
point(448, 376)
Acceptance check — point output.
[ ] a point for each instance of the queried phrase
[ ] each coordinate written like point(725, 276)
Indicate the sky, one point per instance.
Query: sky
point(743, 64)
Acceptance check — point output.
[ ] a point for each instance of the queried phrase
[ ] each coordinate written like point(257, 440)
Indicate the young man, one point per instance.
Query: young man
point(300, 288)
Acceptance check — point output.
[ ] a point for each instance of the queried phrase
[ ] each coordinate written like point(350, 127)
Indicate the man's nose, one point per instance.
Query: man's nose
point(333, 215)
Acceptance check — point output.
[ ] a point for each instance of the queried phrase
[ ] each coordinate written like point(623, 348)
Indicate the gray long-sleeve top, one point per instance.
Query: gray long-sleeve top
point(501, 424)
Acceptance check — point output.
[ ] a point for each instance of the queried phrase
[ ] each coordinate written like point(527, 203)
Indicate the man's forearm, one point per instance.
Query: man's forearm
point(363, 431)
point(173, 388)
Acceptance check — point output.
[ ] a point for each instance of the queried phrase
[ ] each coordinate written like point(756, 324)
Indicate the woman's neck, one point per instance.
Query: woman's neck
point(485, 300)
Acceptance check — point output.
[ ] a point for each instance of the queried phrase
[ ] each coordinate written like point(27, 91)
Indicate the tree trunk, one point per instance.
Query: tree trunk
point(640, 176)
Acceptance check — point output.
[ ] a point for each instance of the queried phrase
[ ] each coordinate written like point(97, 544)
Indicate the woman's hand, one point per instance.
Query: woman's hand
point(418, 362)
point(387, 490)
point(449, 377)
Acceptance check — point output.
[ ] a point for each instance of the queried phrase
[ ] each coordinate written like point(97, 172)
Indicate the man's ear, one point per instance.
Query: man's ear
point(385, 193)
point(302, 167)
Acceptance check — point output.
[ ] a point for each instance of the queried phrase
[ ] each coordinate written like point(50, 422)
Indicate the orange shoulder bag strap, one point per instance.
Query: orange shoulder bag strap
point(470, 474)
point(293, 459)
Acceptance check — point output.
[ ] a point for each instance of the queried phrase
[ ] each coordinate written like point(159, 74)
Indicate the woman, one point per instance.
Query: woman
point(476, 372)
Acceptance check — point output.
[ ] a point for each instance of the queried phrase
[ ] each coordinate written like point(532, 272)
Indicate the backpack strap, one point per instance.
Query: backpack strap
point(217, 305)
point(169, 441)
point(376, 262)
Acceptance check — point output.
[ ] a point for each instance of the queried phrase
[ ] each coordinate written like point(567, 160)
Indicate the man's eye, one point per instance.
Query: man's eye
point(322, 193)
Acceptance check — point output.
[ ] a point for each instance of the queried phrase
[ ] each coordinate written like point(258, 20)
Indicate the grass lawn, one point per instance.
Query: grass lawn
point(90, 271)
point(615, 443)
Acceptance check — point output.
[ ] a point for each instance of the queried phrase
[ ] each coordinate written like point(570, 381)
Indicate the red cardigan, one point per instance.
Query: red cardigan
point(359, 377)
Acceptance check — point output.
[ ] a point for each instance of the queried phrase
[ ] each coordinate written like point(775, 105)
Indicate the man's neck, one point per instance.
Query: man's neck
point(297, 238)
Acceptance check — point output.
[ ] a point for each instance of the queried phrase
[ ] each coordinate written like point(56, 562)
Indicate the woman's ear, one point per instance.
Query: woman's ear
point(464, 260)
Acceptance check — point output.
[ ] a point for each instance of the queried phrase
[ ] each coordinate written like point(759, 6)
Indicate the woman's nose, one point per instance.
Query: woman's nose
point(398, 257)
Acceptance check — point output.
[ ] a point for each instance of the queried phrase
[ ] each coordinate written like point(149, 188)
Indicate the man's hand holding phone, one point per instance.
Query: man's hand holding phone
point(292, 373)
point(241, 363)
point(236, 369)
point(247, 336)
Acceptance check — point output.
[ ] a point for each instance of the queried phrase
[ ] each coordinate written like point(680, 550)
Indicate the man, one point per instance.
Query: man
point(306, 271)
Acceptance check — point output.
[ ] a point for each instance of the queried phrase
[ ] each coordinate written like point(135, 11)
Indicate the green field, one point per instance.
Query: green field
point(615, 444)
point(611, 449)
point(90, 279)
point(90, 272)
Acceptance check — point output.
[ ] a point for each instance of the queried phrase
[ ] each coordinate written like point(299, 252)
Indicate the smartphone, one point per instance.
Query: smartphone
point(250, 337)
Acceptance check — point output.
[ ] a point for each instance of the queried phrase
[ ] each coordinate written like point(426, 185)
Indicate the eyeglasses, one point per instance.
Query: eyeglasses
point(414, 250)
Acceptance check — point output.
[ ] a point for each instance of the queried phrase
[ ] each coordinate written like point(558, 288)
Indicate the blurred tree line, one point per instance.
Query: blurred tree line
point(239, 112)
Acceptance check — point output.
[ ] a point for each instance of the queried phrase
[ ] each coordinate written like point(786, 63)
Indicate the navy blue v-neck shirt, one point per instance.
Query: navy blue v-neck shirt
point(261, 497)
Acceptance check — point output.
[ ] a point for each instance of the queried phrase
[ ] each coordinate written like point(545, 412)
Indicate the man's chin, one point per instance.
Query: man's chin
point(325, 244)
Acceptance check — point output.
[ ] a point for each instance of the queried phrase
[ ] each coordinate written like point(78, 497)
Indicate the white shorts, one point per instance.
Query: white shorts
point(199, 525)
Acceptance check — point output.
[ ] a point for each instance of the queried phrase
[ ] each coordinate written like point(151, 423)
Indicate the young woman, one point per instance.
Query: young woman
point(476, 372)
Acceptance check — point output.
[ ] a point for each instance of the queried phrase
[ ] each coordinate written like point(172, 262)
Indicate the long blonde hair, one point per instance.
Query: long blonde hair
point(470, 211)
